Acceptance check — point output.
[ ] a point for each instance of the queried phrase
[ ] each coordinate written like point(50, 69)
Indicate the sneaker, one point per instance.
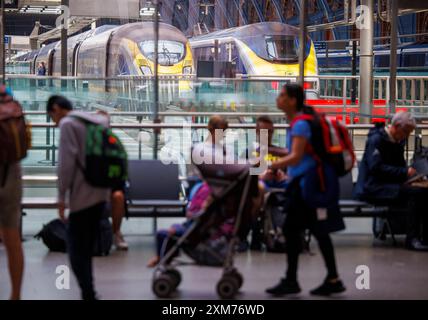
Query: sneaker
point(284, 287)
point(328, 288)
point(119, 242)
point(416, 245)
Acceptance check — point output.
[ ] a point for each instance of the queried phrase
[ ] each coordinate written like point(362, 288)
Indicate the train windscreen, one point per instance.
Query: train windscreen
point(281, 48)
point(170, 52)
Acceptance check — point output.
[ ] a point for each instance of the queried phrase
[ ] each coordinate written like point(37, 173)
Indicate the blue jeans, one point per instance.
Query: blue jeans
point(163, 240)
point(82, 231)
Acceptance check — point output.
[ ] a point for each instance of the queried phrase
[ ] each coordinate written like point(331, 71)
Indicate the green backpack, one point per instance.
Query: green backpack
point(105, 157)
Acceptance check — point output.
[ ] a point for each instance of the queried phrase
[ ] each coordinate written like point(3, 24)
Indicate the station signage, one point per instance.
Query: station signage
point(320, 45)
point(11, 4)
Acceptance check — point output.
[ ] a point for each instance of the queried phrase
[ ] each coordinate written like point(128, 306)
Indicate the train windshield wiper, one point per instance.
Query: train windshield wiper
point(167, 54)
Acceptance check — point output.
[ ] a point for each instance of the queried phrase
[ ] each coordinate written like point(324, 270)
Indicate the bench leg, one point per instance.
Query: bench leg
point(155, 225)
point(21, 220)
point(391, 232)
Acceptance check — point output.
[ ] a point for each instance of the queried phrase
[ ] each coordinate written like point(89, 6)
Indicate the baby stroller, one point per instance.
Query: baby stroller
point(232, 187)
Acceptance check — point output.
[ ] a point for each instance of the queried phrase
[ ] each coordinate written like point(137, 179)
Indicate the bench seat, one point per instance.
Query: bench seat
point(39, 203)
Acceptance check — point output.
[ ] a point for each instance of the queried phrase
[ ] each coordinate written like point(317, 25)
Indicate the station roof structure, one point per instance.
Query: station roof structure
point(327, 19)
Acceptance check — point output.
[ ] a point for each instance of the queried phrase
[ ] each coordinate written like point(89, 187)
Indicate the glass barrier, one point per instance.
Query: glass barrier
point(18, 67)
point(137, 94)
point(174, 145)
point(215, 95)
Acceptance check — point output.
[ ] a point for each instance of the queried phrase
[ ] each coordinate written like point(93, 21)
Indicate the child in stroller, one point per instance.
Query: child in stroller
point(199, 199)
point(231, 191)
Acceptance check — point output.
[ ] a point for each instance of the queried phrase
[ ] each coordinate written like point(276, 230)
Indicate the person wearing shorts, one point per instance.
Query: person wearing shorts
point(10, 223)
point(10, 214)
point(118, 211)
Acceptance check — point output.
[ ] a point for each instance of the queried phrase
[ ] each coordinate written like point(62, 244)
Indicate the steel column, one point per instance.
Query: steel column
point(64, 41)
point(156, 80)
point(366, 60)
point(302, 40)
point(393, 58)
point(2, 46)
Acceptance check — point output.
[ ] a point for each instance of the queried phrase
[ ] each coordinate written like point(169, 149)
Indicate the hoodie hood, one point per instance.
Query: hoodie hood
point(378, 129)
point(91, 117)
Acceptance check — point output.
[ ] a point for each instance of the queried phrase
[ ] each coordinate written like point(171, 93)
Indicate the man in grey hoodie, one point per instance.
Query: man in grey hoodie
point(86, 203)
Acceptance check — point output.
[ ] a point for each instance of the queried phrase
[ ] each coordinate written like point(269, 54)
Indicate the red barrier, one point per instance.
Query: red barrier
point(380, 109)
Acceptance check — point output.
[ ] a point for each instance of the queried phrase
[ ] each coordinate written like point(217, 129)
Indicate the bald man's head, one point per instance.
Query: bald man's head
point(217, 122)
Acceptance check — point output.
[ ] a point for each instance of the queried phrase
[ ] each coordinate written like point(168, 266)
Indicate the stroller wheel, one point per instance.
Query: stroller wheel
point(239, 278)
point(227, 287)
point(175, 275)
point(163, 286)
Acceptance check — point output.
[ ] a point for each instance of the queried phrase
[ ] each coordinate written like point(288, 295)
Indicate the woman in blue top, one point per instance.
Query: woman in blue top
point(299, 215)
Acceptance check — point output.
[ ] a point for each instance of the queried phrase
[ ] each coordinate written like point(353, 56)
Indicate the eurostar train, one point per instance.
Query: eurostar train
point(266, 49)
point(111, 51)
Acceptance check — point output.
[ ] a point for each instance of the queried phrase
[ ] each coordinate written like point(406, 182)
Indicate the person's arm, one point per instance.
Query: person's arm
point(295, 156)
point(378, 167)
point(67, 155)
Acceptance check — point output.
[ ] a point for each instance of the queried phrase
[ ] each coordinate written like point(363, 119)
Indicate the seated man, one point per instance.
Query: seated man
point(214, 149)
point(383, 174)
point(270, 179)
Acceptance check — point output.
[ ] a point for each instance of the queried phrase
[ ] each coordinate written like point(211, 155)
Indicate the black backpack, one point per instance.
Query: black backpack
point(104, 240)
point(54, 236)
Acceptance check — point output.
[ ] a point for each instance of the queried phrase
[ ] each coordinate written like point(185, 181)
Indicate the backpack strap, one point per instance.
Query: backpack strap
point(310, 149)
point(320, 171)
point(79, 165)
point(304, 116)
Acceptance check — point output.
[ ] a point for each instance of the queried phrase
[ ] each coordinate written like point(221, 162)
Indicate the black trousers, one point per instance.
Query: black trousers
point(294, 243)
point(300, 218)
point(82, 231)
point(417, 216)
point(412, 200)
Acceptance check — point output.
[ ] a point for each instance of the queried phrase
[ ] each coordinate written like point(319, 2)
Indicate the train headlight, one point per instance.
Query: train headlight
point(308, 85)
point(187, 70)
point(146, 70)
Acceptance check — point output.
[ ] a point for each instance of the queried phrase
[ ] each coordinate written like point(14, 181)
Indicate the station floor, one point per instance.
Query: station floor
point(395, 273)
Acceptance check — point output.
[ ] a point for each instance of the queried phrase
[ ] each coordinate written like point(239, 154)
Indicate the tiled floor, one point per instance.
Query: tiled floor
point(394, 272)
